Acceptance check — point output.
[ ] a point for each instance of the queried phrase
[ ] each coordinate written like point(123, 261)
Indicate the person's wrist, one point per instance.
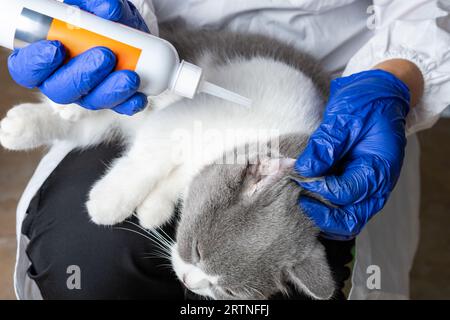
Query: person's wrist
point(398, 88)
point(407, 72)
point(364, 88)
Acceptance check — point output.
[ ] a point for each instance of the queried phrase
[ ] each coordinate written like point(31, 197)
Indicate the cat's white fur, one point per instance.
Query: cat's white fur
point(192, 276)
point(150, 176)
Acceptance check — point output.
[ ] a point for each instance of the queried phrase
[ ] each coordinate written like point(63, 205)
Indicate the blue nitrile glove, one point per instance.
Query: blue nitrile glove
point(88, 79)
point(356, 153)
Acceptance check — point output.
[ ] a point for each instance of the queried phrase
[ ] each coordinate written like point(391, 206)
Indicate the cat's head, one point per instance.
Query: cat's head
point(242, 235)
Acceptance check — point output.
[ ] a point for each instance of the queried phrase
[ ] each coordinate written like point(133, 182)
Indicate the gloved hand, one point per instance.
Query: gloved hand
point(88, 79)
point(356, 153)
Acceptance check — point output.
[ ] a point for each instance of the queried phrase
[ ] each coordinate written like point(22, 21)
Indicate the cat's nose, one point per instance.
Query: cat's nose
point(194, 282)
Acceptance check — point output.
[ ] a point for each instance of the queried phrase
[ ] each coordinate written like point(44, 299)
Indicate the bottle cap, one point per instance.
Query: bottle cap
point(187, 80)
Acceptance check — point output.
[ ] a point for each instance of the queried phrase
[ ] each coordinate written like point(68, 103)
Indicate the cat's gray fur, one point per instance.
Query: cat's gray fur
point(227, 46)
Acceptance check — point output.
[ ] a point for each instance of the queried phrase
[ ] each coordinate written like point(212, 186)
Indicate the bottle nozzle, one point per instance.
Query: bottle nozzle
point(188, 82)
point(225, 94)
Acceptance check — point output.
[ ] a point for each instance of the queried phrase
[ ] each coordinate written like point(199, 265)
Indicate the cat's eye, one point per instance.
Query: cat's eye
point(198, 255)
point(197, 250)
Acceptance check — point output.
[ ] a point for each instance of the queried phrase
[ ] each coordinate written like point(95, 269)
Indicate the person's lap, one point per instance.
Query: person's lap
point(114, 262)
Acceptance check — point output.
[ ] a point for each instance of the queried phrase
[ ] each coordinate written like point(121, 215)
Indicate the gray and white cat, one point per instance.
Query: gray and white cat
point(241, 234)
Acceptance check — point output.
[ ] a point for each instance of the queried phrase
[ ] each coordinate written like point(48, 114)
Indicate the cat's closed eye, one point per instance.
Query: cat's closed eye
point(197, 253)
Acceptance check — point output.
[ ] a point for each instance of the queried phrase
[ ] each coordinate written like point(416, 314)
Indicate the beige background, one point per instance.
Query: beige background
point(431, 272)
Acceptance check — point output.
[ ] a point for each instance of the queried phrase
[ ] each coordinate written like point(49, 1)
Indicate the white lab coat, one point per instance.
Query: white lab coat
point(347, 36)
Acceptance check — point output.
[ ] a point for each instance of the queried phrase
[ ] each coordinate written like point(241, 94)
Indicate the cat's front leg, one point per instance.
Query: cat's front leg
point(158, 207)
point(31, 125)
point(125, 186)
point(70, 112)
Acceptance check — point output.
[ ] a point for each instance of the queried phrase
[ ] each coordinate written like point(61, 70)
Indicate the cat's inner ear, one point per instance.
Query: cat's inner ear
point(313, 275)
point(264, 172)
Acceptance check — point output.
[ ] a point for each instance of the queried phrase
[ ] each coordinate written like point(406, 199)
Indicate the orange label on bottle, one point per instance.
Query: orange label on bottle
point(77, 40)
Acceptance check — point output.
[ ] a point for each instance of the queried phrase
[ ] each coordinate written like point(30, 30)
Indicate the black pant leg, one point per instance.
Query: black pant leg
point(113, 263)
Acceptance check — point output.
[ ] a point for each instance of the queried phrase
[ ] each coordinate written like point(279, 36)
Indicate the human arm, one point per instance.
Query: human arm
point(407, 72)
point(416, 31)
point(355, 156)
point(358, 150)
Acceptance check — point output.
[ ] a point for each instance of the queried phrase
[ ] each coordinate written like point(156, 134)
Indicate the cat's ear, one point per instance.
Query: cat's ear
point(265, 172)
point(313, 275)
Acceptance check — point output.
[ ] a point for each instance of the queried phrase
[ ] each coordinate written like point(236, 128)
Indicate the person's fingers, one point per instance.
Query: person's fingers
point(115, 10)
point(135, 104)
point(361, 179)
point(327, 145)
point(79, 76)
point(108, 9)
point(344, 221)
point(32, 65)
point(328, 219)
point(117, 88)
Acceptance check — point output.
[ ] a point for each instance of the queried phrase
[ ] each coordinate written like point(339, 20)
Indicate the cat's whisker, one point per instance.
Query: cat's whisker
point(158, 237)
point(154, 238)
point(164, 265)
point(144, 236)
point(134, 231)
point(248, 291)
point(156, 257)
point(159, 251)
point(254, 290)
point(168, 243)
point(138, 226)
point(169, 238)
point(159, 254)
point(165, 234)
point(165, 240)
point(163, 245)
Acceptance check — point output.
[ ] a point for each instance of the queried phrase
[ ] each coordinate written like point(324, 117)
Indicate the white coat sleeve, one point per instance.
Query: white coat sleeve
point(418, 31)
point(147, 10)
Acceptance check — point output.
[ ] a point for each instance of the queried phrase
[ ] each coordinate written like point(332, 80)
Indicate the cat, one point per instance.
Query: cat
point(172, 152)
point(241, 234)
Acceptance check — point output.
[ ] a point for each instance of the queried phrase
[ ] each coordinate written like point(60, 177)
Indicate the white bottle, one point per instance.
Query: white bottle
point(23, 22)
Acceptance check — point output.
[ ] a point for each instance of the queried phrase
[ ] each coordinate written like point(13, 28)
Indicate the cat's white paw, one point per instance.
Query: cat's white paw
point(109, 203)
point(71, 112)
point(155, 211)
point(21, 128)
